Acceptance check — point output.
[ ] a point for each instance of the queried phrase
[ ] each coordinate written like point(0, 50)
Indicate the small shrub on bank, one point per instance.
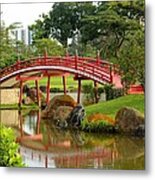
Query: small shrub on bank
point(9, 155)
point(100, 117)
point(98, 123)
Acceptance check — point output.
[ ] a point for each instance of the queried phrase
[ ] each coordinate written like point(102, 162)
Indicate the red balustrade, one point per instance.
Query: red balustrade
point(97, 70)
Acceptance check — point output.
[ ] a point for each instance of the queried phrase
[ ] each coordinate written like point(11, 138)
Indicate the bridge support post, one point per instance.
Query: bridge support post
point(20, 94)
point(64, 84)
point(38, 94)
point(96, 91)
point(21, 124)
point(38, 122)
point(76, 59)
point(111, 74)
point(48, 90)
point(98, 58)
point(46, 161)
point(79, 91)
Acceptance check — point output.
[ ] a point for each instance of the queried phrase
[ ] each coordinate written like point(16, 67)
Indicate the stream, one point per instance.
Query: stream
point(43, 145)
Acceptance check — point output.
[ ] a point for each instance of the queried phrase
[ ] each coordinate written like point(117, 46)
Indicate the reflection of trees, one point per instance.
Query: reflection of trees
point(131, 153)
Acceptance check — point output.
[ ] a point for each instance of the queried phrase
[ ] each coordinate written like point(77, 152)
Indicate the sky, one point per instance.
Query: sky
point(24, 13)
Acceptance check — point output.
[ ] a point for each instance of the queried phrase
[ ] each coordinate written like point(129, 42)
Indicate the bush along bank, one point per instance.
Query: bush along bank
point(128, 121)
point(124, 115)
point(99, 123)
point(9, 156)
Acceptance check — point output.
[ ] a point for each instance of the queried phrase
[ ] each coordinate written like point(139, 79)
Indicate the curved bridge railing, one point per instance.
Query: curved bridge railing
point(95, 69)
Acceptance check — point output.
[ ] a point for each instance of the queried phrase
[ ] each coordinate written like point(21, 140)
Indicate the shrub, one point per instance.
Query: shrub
point(113, 93)
point(9, 155)
point(88, 90)
point(98, 123)
point(55, 90)
point(100, 117)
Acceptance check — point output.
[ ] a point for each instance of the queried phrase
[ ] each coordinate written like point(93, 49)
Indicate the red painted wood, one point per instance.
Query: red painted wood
point(28, 78)
point(111, 77)
point(21, 93)
point(48, 90)
point(76, 61)
point(98, 58)
point(136, 89)
point(64, 84)
point(95, 91)
point(38, 94)
point(36, 137)
point(46, 161)
point(38, 122)
point(79, 91)
point(85, 67)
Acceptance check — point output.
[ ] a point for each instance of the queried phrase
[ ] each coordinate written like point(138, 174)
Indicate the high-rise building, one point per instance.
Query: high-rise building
point(22, 34)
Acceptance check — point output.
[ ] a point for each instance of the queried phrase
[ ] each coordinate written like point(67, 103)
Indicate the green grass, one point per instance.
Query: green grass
point(56, 82)
point(111, 107)
point(15, 106)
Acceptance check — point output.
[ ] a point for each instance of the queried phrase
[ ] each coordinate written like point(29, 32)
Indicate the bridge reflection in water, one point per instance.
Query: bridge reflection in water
point(43, 145)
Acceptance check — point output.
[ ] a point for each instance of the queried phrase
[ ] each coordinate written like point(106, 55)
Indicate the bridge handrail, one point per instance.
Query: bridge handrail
point(98, 68)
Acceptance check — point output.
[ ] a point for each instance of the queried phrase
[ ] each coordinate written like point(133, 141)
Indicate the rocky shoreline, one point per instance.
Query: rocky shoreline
point(64, 112)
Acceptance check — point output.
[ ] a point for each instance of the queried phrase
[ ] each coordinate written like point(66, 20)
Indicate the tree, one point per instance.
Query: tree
point(118, 32)
point(62, 22)
point(108, 28)
point(131, 60)
point(6, 47)
point(39, 29)
point(51, 46)
point(11, 49)
point(113, 27)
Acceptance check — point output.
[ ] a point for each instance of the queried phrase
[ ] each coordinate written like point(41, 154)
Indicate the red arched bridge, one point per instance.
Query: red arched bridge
point(100, 71)
point(97, 70)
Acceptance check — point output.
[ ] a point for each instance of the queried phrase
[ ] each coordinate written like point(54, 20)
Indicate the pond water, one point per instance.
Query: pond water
point(43, 145)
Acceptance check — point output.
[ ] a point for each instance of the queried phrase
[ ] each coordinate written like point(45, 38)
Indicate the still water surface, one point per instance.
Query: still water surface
point(43, 145)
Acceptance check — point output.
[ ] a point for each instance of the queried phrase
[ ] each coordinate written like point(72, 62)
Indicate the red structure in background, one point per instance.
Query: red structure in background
point(136, 89)
point(83, 68)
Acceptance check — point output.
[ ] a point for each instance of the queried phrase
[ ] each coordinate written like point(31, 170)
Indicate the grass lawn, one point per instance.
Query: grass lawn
point(111, 107)
point(56, 82)
point(15, 106)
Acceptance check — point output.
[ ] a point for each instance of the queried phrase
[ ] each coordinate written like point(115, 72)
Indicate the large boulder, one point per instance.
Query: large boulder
point(57, 101)
point(31, 96)
point(76, 116)
point(64, 112)
point(28, 101)
point(130, 120)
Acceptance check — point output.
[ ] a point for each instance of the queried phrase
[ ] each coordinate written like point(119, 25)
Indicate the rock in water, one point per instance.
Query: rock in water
point(130, 120)
point(64, 112)
point(28, 101)
point(76, 116)
point(53, 107)
point(69, 117)
point(31, 94)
